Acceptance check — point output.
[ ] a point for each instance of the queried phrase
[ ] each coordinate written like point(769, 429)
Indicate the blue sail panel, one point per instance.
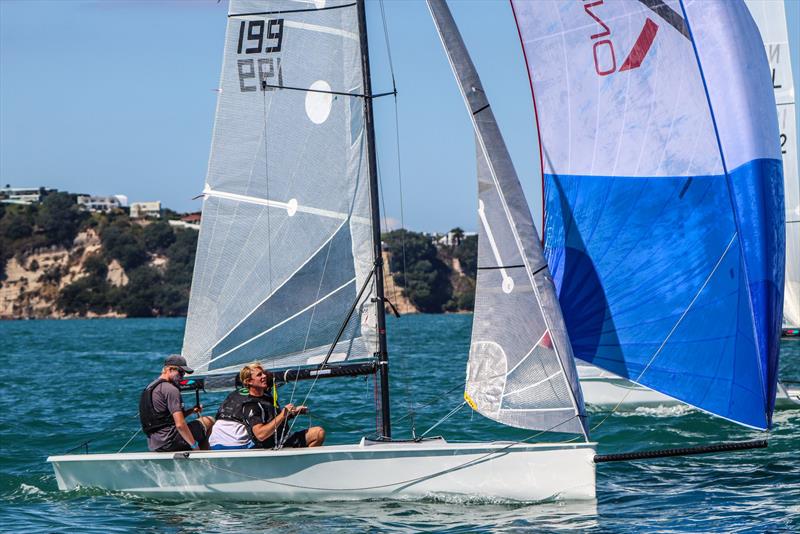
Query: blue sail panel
point(663, 193)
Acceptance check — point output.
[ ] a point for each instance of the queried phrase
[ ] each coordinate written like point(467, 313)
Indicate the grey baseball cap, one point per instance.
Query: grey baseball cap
point(176, 360)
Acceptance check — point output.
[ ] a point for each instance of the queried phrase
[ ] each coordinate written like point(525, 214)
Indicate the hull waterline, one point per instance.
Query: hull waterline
point(430, 469)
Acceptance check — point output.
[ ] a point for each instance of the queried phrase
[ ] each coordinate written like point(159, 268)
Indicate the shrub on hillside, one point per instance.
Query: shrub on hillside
point(59, 218)
point(426, 281)
point(121, 243)
point(158, 236)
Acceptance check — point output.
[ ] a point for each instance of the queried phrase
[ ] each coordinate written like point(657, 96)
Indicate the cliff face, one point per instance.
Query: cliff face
point(33, 282)
point(86, 279)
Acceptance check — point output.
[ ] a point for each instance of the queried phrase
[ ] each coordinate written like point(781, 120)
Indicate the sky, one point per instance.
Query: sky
point(118, 97)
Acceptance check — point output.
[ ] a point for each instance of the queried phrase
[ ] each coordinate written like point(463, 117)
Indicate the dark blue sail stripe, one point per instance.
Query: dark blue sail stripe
point(662, 267)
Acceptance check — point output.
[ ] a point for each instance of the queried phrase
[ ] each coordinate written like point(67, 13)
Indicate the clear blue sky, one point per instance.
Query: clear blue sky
point(117, 96)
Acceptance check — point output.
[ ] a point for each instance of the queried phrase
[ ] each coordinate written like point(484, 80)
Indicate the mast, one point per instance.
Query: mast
point(383, 355)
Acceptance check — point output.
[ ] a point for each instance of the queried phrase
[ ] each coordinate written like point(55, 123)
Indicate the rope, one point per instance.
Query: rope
point(129, 441)
point(443, 419)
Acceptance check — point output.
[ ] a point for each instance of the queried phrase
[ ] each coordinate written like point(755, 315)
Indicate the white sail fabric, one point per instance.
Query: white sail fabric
point(286, 240)
point(521, 370)
point(770, 17)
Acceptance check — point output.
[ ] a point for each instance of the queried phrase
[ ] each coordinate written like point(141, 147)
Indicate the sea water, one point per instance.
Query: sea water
point(68, 382)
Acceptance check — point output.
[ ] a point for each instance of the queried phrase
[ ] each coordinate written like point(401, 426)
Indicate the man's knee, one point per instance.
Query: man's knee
point(207, 423)
point(316, 436)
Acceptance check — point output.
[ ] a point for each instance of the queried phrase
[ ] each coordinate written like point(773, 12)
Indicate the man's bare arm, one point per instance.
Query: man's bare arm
point(183, 428)
point(265, 430)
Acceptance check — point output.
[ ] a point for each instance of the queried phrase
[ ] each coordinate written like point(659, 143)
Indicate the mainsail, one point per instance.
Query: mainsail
point(771, 20)
point(521, 371)
point(663, 193)
point(286, 236)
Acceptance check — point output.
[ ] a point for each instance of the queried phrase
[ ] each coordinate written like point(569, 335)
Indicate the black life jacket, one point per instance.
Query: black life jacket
point(232, 408)
point(239, 403)
point(151, 420)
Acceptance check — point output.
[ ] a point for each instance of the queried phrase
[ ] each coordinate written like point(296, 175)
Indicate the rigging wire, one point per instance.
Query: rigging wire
point(450, 414)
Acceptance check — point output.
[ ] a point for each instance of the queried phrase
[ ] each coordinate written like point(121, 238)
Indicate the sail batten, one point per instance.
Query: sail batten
point(662, 194)
point(521, 370)
point(286, 234)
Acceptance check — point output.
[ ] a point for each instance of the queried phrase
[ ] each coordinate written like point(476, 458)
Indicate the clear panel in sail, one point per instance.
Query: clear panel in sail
point(521, 371)
point(770, 18)
point(286, 240)
point(664, 226)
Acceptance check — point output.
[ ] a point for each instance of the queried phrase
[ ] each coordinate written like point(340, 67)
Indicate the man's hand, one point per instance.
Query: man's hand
point(198, 409)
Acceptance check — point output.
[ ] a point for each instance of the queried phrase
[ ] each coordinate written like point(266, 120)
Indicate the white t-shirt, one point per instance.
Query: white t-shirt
point(228, 434)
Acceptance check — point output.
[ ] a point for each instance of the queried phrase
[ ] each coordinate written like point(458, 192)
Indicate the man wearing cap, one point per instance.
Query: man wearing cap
point(163, 416)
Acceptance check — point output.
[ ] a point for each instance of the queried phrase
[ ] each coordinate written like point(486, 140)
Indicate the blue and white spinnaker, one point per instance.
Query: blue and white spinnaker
point(663, 193)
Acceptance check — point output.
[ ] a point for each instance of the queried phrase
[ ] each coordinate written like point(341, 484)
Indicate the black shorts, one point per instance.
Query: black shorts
point(296, 440)
point(179, 444)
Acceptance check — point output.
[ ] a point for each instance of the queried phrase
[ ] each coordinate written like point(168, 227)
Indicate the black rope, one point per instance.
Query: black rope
point(337, 93)
point(500, 267)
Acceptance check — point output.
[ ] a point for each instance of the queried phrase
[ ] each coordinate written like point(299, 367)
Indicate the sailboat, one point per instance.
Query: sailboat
point(663, 194)
point(289, 272)
point(607, 390)
point(771, 20)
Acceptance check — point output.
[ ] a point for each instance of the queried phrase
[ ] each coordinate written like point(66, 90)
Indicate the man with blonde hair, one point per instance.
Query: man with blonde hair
point(251, 417)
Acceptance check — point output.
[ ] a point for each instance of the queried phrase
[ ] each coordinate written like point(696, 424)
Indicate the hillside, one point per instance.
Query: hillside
point(57, 261)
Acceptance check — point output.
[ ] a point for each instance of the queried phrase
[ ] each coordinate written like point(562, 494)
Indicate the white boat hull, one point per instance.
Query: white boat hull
point(402, 470)
point(609, 391)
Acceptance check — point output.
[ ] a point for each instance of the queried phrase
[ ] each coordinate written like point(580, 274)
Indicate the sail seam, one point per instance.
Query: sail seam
point(273, 327)
point(540, 382)
point(286, 11)
point(321, 29)
point(526, 355)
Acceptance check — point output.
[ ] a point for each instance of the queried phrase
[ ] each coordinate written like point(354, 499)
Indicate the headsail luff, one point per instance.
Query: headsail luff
point(286, 236)
point(521, 371)
point(770, 18)
point(664, 203)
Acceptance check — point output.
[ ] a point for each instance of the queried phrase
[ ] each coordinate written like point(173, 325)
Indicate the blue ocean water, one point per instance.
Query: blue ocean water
point(68, 381)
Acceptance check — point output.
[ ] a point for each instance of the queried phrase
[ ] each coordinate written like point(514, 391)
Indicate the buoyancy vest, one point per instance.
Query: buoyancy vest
point(232, 408)
point(153, 421)
point(237, 406)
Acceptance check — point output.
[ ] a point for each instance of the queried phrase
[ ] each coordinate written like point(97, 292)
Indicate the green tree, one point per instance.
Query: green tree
point(426, 279)
point(158, 236)
point(121, 243)
point(458, 235)
point(467, 254)
point(59, 218)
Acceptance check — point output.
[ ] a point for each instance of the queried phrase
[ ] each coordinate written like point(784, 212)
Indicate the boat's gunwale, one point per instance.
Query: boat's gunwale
point(384, 448)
